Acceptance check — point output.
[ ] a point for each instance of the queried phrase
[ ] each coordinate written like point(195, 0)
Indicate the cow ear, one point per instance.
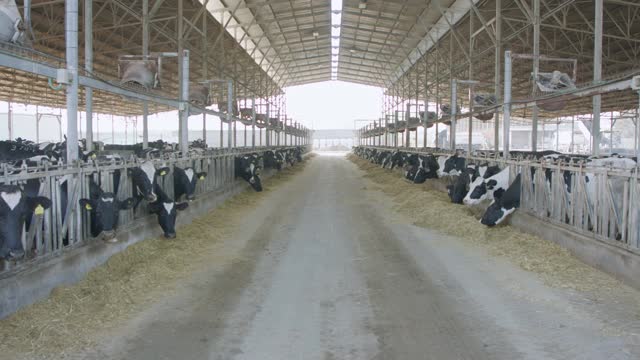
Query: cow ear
point(87, 204)
point(127, 203)
point(181, 206)
point(202, 175)
point(162, 171)
point(498, 194)
point(491, 183)
point(38, 204)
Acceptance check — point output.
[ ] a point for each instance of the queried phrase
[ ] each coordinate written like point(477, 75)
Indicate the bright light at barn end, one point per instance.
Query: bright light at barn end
point(336, 21)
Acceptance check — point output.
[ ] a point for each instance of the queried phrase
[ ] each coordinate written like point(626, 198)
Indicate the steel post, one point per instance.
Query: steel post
point(71, 43)
point(229, 112)
point(597, 77)
point(454, 114)
point(88, 66)
point(184, 98)
point(536, 66)
point(506, 123)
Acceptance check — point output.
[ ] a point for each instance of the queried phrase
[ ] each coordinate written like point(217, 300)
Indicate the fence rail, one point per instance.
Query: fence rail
point(599, 202)
point(64, 226)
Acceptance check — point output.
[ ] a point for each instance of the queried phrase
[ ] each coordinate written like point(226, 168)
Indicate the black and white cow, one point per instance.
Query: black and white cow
point(503, 205)
point(166, 211)
point(247, 167)
point(144, 177)
point(427, 169)
point(453, 165)
point(105, 209)
point(484, 189)
point(469, 178)
point(272, 160)
point(15, 206)
point(184, 182)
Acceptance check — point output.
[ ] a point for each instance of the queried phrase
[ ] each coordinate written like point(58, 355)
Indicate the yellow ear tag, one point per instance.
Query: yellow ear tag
point(39, 210)
point(201, 177)
point(93, 156)
point(163, 173)
point(88, 207)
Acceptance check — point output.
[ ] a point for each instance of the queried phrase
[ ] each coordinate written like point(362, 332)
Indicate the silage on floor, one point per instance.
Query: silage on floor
point(428, 208)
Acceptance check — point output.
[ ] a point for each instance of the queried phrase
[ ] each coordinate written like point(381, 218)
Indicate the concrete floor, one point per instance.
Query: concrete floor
point(324, 270)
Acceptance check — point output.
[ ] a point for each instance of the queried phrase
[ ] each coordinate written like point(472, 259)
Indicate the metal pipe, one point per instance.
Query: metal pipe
point(454, 113)
point(88, 65)
point(10, 120)
point(597, 77)
point(229, 112)
point(498, 63)
point(145, 51)
point(506, 123)
point(253, 123)
point(536, 66)
point(71, 43)
point(184, 98)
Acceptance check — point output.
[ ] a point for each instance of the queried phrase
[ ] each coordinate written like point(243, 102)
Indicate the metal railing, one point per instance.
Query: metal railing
point(599, 202)
point(65, 225)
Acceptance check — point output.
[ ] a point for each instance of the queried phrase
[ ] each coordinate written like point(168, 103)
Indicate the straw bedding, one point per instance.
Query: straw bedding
point(432, 209)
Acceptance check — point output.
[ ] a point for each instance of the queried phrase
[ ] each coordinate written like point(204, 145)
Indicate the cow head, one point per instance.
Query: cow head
point(105, 209)
point(14, 207)
point(167, 212)
point(185, 180)
point(477, 192)
point(144, 178)
point(255, 181)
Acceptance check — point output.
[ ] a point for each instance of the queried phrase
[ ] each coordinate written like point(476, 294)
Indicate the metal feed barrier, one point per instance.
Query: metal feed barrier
point(54, 233)
point(606, 207)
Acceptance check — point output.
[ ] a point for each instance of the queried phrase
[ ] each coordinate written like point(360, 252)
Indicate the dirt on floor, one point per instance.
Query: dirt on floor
point(69, 319)
point(425, 207)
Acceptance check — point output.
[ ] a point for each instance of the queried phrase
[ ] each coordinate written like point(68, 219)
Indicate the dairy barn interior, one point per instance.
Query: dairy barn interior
point(488, 210)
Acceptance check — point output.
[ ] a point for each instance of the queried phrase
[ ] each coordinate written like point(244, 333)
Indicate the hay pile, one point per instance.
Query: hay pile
point(432, 209)
point(72, 316)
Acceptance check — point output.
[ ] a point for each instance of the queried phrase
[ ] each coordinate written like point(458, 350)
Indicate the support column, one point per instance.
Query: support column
point(253, 122)
point(536, 66)
point(88, 65)
point(184, 98)
point(269, 132)
point(229, 112)
point(205, 65)
point(71, 43)
point(597, 77)
point(145, 52)
point(506, 126)
point(180, 31)
point(10, 120)
point(471, 40)
point(498, 70)
point(454, 114)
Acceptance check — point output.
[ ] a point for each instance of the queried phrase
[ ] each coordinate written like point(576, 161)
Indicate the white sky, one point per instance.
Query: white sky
point(325, 105)
point(333, 104)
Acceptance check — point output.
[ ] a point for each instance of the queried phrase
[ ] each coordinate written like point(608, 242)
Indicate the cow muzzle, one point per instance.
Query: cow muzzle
point(152, 197)
point(109, 236)
point(15, 254)
point(171, 235)
point(191, 197)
